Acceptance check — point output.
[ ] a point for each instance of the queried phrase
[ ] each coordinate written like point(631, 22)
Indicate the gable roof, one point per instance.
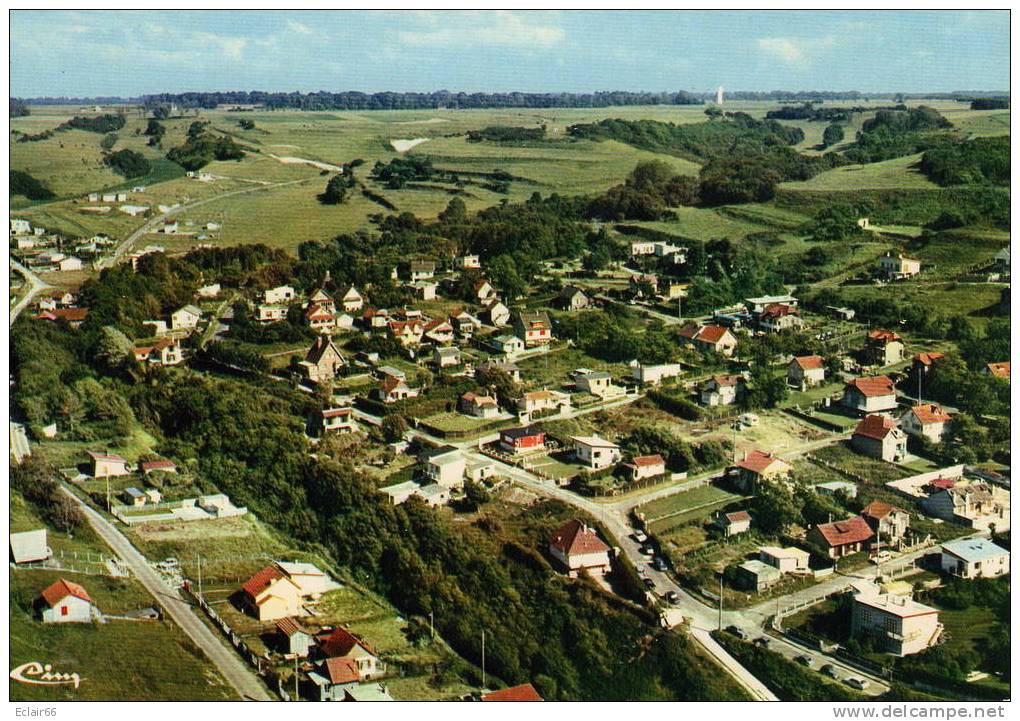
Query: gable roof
point(29, 546)
point(875, 427)
point(261, 581)
point(737, 517)
point(390, 384)
point(289, 626)
point(873, 386)
point(524, 692)
point(840, 533)
point(809, 362)
point(160, 465)
point(341, 670)
point(340, 643)
point(726, 380)
point(879, 510)
point(194, 310)
point(645, 461)
point(930, 413)
point(574, 538)
point(538, 320)
point(319, 348)
point(758, 462)
point(778, 310)
point(524, 432)
point(706, 333)
point(317, 312)
point(59, 590)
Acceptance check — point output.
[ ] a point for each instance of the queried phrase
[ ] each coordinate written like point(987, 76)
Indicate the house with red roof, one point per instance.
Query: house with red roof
point(778, 317)
point(164, 352)
point(806, 371)
point(926, 420)
point(74, 317)
point(842, 538)
point(733, 524)
point(579, 548)
point(271, 594)
point(998, 370)
point(872, 394)
point(882, 348)
point(757, 466)
point(640, 467)
point(64, 601)
point(407, 332)
point(923, 363)
point(341, 643)
point(319, 318)
point(338, 420)
point(524, 692)
point(722, 390)
point(162, 465)
point(709, 337)
point(879, 437)
point(296, 639)
point(478, 405)
point(392, 390)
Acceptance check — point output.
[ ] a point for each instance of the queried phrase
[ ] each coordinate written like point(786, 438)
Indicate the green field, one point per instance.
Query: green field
point(886, 175)
point(876, 471)
point(685, 506)
point(121, 660)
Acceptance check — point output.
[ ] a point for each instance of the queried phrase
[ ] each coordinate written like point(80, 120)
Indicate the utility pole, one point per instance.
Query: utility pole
point(297, 694)
point(200, 576)
point(483, 658)
point(432, 626)
point(109, 508)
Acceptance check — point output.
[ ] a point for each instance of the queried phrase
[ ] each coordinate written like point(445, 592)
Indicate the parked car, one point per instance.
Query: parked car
point(738, 632)
point(830, 671)
point(805, 660)
point(763, 641)
point(640, 536)
point(647, 551)
point(659, 564)
point(673, 597)
point(858, 683)
point(649, 584)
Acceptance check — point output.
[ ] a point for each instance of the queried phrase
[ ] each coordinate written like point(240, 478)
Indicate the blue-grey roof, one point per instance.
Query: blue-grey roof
point(974, 550)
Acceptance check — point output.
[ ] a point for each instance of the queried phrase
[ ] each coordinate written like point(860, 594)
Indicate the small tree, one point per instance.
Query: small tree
point(394, 426)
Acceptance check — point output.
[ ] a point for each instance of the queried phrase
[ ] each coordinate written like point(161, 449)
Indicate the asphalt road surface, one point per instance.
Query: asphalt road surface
point(230, 666)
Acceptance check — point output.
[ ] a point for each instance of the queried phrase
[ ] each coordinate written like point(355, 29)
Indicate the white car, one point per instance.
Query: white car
point(858, 683)
point(640, 536)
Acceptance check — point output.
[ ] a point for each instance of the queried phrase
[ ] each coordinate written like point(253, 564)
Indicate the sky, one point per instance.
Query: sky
point(129, 53)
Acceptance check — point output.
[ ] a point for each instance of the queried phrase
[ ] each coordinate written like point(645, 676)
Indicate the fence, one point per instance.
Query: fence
point(257, 661)
point(89, 564)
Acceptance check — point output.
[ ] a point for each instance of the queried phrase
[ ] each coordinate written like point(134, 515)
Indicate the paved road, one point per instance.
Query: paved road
point(150, 224)
point(230, 666)
point(19, 442)
point(703, 617)
point(36, 285)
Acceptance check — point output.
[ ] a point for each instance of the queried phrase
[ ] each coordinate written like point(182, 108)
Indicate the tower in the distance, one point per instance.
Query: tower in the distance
point(719, 96)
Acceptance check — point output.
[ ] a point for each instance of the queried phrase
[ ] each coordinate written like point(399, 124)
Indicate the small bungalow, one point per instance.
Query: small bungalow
point(64, 601)
point(496, 313)
point(534, 328)
point(511, 369)
point(654, 374)
point(831, 488)
point(572, 298)
point(888, 522)
point(898, 266)
point(185, 318)
point(758, 466)
point(522, 440)
point(278, 295)
point(479, 406)
point(597, 383)
point(508, 345)
point(998, 370)
point(733, 524)
point(786, 560)
point(392, 390)
point(842, 538)
point(757, 576)
point(338, 420)
point(271, 595)
point(641, 467)
point(446, 357)
point(709, 338)
point(974, 558)
point(536, 401)
point(722, 390)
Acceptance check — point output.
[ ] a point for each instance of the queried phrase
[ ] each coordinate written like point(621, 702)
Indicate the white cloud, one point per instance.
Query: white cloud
point(299, 27)
point(795, 50)
point(232, 48)
point(485, 28)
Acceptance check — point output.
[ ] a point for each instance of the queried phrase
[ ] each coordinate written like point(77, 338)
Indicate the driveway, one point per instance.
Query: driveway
point(230, 666)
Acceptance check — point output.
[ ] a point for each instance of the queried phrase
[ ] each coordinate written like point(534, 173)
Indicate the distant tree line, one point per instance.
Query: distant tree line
point(351, 100)
point(18, 108)
point(977, 161)
point(989, 104)
point(504, 134)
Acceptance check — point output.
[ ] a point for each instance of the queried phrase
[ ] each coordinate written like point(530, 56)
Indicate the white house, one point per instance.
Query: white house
point(787, 560)
point(67, 602)
point(497, 313)
point(974, 558)
point(446, 469)
point(580, 549)
point(69, 264)
point(897, 624)
point(654, 374)
point(351, 300)
point(597, 383)
point(870, 395)
point(898, 266)
point(926, 420)
point(280, 294)
point(508, 345)
point(208, 291)
point(444, 357)
point(185, 318)
point(722, 390)
point(640, 467)
point(806, 371)
point(596, 453)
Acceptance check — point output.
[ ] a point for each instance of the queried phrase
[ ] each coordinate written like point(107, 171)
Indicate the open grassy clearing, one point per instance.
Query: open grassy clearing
point(121, 660)
point(875, 470)
point(685, 501)
point(898, 173)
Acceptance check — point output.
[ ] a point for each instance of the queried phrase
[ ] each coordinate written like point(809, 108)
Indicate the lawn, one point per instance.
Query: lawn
point(898, 173)
point(118, 661)
point(873, 469)
point(675, 510)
